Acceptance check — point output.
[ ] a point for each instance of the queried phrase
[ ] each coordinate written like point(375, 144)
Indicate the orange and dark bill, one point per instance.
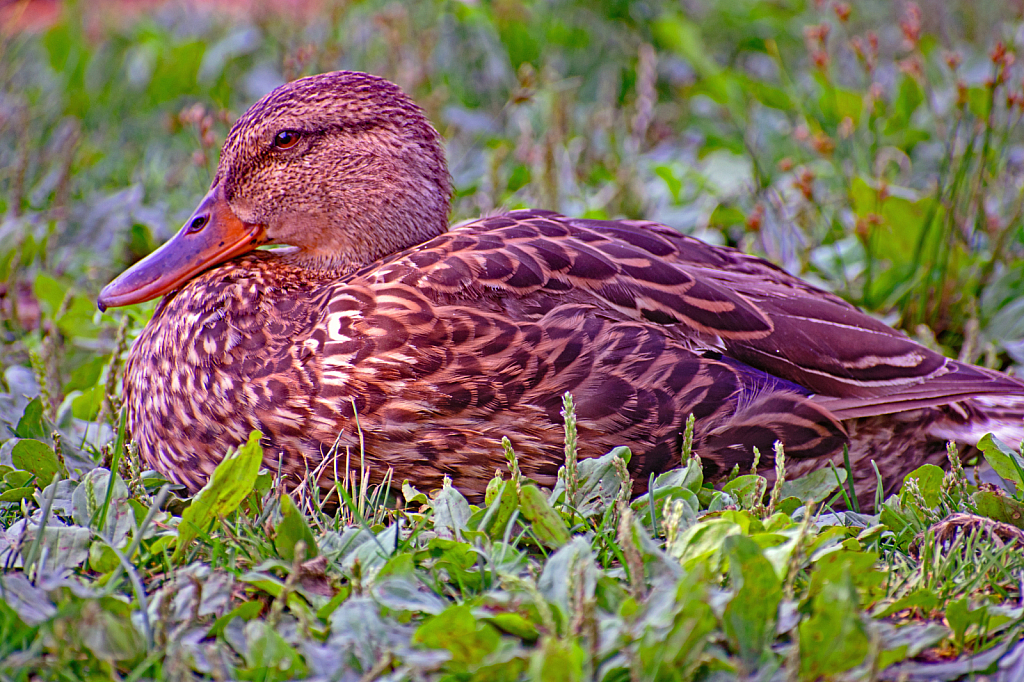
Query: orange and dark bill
point(212, 235)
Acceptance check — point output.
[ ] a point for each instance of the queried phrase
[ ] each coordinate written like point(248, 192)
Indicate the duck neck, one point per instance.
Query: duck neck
point(363, 240)
point(321, 263)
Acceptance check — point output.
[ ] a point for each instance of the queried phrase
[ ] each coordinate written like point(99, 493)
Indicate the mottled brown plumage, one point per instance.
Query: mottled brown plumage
point(444, 341)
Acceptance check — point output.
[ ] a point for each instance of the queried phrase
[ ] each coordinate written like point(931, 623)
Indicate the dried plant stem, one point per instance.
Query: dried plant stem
point(572, 483)
point(687, 449)
point(798, 550)
point(780, 477)
point(513, 463)
point(634, 561)
point(111, 404)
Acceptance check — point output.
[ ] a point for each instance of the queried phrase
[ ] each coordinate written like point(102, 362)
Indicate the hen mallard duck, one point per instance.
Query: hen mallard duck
point(442, 341)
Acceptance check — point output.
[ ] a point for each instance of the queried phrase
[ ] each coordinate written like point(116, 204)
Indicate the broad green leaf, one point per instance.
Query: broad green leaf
point(451, 512)
point(908, 99)
point(268, 656)
point(961, 616)
point(514, 624)
point(88, 498)
point(246, 611)
point(702, 540)
point(413, 496)
point(101, 558)
point(1002, 616)
point(999, 507)
point(37, 457)
point(749, 618)
point(827, 540)
point(674, 184)
point(374, 551)
point(86, 404)
point(572, 565)
point(907, 220)
point(836, 103)
point(17, 479)
point(324, 612)
point(748, 523)
point(778, 523)
point(399, 565)
point(641, 506)
point(360, 632)
point(978, 101)
point(275, 587)
point(832, 567)
point(406, 594)
point(264, 481)
point(231, 482)
point(906, 641)
point(748, 490)
point(30, 602)
point(781, 554)
point(834, 639)
point(680, 648)
point(17, 494)
point(65, 546)
point(767, 94)
point(816, 485)
point(849, 103)
point(110, 634)
point(49, 292)
point(690, 477)
point(922, 599)
point(459, 559)
point(521, 44)
point(77, 320)
point(599, 483)
point(456, 629)
point(87, 375)
point(493, 519)
point(33, 423)
point(1002, 458)
point(899, 519)
point(547, 525)
point(291, 530)
point(493, 487)
point(929, 480)
point(557, 660)
point(788, 505)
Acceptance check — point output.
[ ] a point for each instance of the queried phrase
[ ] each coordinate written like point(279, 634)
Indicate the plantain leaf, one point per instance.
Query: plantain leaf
point(37, 457)
point(232, 481)
point(1001, 457)
point(291, 530)
point(547, 525)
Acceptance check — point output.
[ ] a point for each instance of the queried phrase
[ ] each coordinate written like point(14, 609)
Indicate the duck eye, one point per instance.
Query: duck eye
point(286, 139)
point(198, 223)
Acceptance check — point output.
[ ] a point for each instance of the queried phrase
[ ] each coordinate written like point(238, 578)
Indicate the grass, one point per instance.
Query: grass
point(686, 582)
point(876, 151)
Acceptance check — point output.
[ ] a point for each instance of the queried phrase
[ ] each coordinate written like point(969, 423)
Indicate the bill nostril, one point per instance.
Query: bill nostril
point(198, 223)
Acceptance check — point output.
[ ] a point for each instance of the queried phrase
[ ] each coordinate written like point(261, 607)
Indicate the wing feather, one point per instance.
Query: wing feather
point(711, 298)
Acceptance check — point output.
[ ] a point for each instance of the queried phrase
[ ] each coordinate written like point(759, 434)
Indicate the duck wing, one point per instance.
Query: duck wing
point(717, 299)
point(435, 385)
point(443, 349)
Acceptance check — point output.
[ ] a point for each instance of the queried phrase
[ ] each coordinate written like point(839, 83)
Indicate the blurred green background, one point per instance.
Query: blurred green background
point(873, 147)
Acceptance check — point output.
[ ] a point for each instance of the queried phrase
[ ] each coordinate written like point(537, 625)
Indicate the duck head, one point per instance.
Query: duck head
point(342, 166)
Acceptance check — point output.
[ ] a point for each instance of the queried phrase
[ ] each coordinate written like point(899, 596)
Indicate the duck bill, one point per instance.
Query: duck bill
point(212, 235)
